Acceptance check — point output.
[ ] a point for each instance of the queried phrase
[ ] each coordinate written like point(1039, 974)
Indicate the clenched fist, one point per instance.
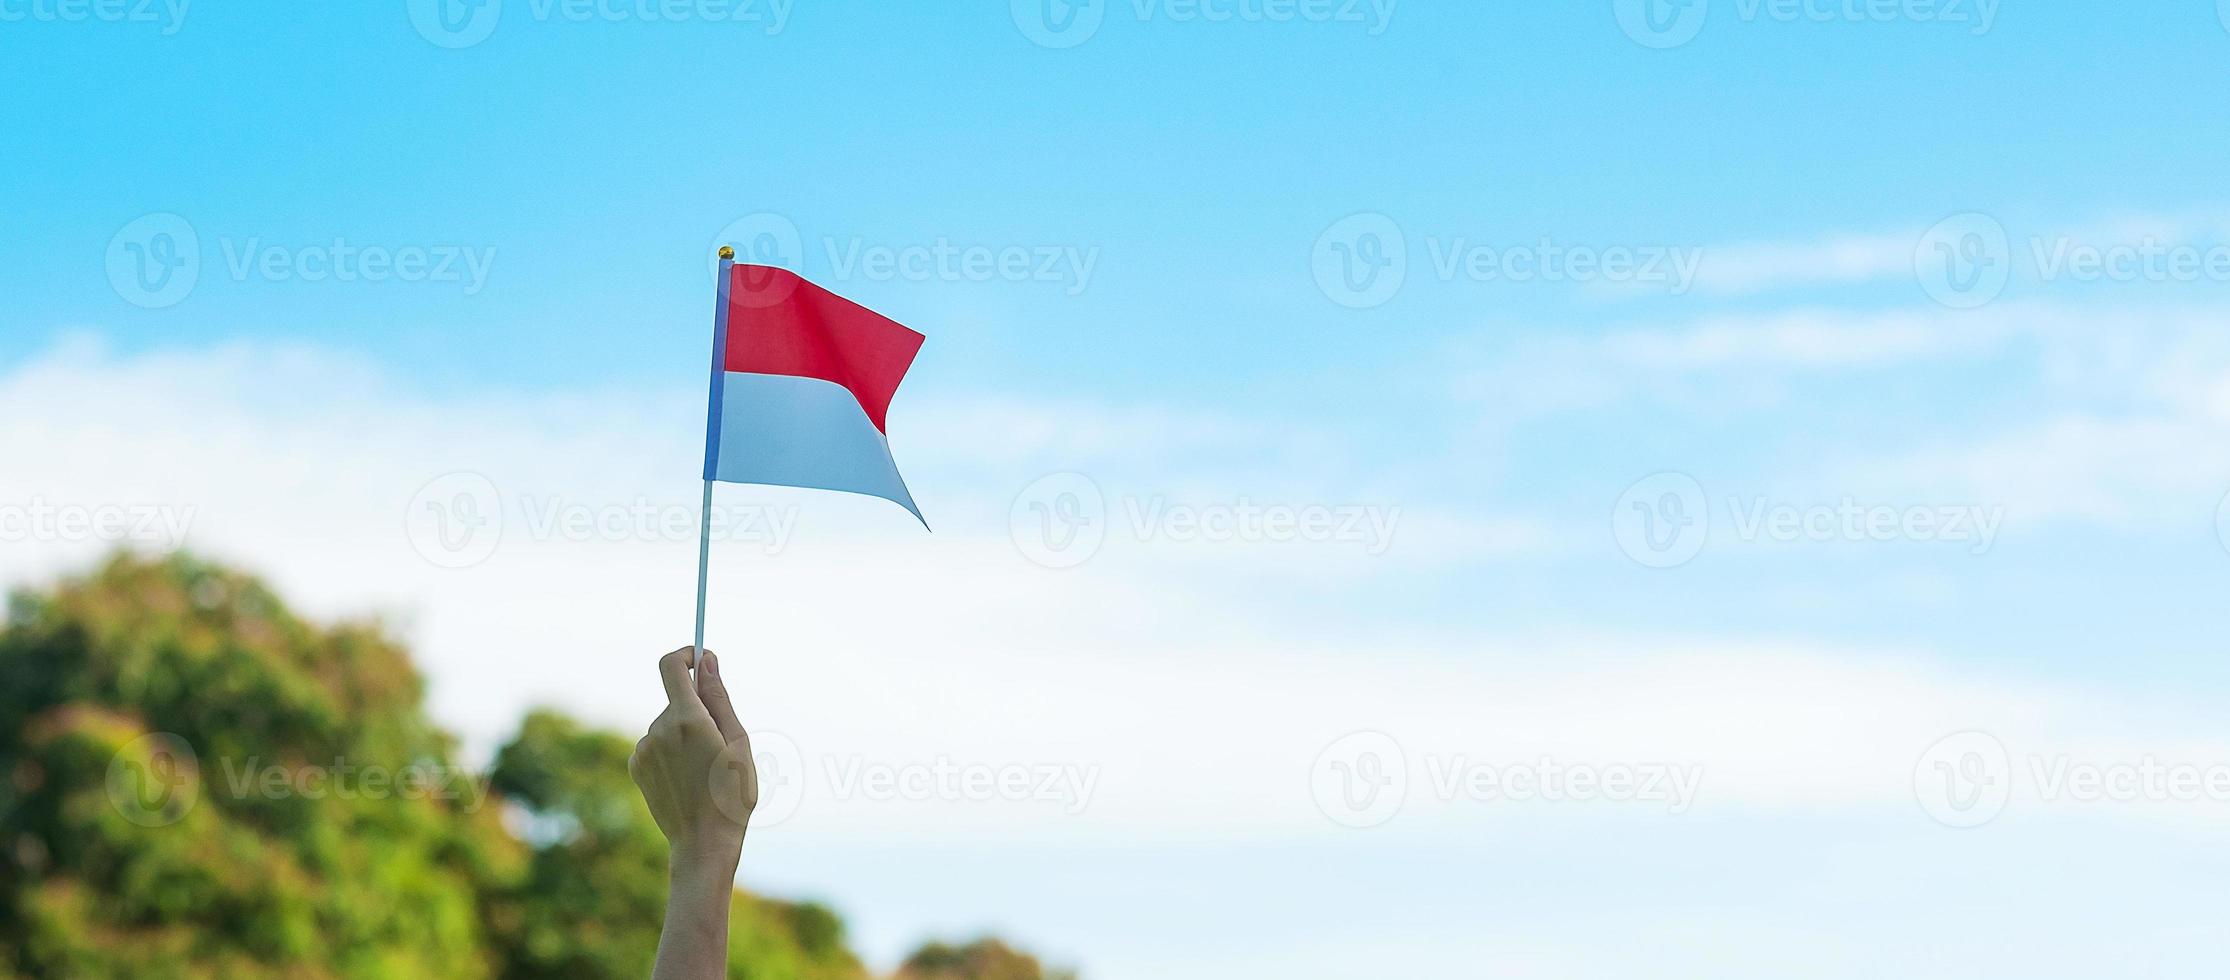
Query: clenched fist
point(695, 767)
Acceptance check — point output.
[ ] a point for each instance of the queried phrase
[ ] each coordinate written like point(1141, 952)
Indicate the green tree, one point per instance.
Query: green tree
point(591, 905)
point(984, 959)
point(134, 854)
point(187, 791)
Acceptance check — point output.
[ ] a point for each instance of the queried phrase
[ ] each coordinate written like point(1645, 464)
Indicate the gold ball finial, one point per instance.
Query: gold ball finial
point(727, 252)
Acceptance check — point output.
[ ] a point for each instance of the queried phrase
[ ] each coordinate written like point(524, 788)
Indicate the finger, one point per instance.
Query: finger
point(673, 668)
point(714, 692)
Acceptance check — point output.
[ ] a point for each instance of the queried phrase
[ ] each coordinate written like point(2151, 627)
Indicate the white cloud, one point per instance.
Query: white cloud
point(1815, 339)
point(867, 638)
point(2121, 429)
point(1720, 358)
point(2118, 471)
point(1759, 266)
point(2101, 413)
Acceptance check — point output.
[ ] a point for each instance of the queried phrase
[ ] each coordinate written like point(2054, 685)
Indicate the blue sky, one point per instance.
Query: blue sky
point(598, 158)
point(1185, 184)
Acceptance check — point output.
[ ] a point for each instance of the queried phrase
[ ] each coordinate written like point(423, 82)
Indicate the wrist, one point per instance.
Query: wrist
point(704, 863)
point(700, 891)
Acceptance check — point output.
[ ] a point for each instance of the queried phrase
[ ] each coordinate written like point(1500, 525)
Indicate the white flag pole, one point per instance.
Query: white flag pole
point(712, 437)
point(704, 562)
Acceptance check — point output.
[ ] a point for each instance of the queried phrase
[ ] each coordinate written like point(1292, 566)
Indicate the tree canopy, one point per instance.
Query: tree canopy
point(197, 783)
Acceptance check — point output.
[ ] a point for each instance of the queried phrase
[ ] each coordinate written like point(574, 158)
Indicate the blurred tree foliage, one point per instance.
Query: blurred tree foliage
point(195, 870)
point(984, 959)
point(590, 903)
point(195, 783)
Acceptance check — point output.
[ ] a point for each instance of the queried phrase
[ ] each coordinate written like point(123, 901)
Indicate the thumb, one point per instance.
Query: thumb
point(714, 693)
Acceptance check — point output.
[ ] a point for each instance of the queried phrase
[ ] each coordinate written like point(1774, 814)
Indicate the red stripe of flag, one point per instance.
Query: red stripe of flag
point(779, 323)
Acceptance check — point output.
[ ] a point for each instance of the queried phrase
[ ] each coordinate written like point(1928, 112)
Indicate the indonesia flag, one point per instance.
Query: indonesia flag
point(801, 381)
